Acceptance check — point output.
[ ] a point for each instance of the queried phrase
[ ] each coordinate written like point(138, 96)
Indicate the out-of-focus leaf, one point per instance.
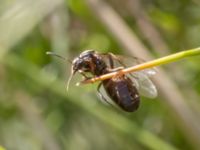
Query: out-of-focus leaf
point(20, 18)
point(1, 148)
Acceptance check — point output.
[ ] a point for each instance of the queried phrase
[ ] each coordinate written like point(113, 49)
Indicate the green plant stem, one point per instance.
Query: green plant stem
point(149, 64)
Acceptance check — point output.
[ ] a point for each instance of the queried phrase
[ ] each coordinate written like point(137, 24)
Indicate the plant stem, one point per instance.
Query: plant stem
point(146, 65)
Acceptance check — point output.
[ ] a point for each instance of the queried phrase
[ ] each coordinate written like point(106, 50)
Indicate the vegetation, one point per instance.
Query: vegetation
point(36, 111)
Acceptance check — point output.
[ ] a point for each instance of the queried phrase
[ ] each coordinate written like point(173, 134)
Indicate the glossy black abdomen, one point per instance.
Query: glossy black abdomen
point(122, 91)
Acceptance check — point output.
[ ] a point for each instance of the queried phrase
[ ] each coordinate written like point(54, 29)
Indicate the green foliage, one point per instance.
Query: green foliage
point(36, 111)
point(1, 148)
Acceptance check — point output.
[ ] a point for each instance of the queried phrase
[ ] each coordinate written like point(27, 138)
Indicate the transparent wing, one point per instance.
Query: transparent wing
point(144, 84)
point(129, 61)
point(104, 98)
point(119, 60)
point(141, 78)
point(126, 61)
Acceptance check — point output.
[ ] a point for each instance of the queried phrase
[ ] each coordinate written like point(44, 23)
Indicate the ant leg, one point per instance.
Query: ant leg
point(113, 56)
point(110, 61)
point(116, 69)
point(84, 75)
point(121, 62)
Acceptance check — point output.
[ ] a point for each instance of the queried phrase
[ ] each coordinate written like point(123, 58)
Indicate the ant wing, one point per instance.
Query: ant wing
point(129, 61)
point(140, 79)
point(115, 61)
point(144, 84)
point(103, 96)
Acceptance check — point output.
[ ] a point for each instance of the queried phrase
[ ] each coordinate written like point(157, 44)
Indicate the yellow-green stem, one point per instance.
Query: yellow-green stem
point(149, 64)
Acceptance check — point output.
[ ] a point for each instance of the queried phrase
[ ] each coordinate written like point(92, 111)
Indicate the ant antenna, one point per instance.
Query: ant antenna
point(72, 73)
point(54, 54)
point(70, 78)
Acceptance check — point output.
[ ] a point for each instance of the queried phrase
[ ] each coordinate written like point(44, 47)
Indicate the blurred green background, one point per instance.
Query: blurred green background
point(36, 112)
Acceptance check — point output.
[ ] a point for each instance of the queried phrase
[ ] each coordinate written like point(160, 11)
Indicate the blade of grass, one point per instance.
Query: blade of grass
point(20, 18)
point(149, 64)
